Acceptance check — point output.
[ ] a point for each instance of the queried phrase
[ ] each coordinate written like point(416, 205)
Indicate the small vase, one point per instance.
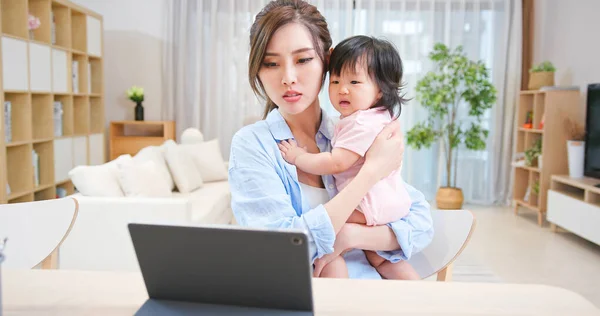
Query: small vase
point(576, 158)
point(139, 112)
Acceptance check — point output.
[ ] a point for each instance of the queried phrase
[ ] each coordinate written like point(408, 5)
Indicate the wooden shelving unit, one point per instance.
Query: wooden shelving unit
point(550, 107)
point(37, 71)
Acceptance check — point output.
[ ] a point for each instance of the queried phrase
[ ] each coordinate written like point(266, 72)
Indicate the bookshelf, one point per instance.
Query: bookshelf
point(550, 107)
point(61, 62)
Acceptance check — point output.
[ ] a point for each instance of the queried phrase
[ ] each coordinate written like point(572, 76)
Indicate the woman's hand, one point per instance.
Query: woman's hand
point(343, 243)
point(386, 152)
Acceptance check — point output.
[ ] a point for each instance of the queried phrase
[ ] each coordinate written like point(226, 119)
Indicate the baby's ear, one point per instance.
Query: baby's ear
point(328, 55)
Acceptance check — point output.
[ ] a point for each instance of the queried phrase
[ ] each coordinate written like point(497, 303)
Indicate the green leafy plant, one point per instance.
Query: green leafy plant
point(545, 66)
point(135, 94)
point(532, 153)
point(536, 187)
point(455, 80)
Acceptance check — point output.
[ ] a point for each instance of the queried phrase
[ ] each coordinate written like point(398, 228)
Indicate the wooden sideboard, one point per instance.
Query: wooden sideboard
point(129, 137)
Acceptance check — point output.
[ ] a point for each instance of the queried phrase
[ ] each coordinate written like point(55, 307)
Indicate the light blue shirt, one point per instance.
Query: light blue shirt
point(265, 192)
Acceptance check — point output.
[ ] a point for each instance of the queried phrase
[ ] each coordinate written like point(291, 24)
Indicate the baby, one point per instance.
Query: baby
point(365, 81)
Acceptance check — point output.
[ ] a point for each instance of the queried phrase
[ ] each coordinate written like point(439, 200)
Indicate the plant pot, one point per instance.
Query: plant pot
point(540, 79)
point(576, 150)
point(139, 112)
point(449, 198)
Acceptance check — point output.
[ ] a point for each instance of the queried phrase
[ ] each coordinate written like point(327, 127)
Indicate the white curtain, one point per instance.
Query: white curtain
point(206, 85)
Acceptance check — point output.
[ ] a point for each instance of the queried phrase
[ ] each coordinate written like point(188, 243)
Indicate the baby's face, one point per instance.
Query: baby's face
point(352, 91)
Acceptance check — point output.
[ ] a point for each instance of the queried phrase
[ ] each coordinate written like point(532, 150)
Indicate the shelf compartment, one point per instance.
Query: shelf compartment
point(79, 67)
point(97, 115)
point(62, 22)
point(68, 188)
point(22, 199)
point(20, 120)
point(19, 168)
point(41, 9)
point(45, 194)
point(525, 106)
point(95, 65)
point(43, 127)
point(45, 152)
point(14, 18)
point(521, 182)
point(538, 110)
point(520, 141)
point(530, 140)
point(78, 31)
point(67, 115)
point(81, 115)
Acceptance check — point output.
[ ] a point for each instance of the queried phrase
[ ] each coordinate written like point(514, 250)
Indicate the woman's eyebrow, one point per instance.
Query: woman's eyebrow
point(300, 50)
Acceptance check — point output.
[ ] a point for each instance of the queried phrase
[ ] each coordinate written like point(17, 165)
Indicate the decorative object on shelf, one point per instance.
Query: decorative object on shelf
point(528, 120)
point(136, 94)
point(455, 80)
point(75, 76)
point(33, 23)
point(61, 193)
point(536, 187)
point(541, 126)
point(534, 152)
point(541, 75)
point(575, 133)
point(35, 160)
point(7, 121)
point(58, 118)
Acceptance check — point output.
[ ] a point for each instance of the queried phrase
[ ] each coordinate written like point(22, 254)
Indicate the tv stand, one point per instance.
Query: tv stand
point(574, 204)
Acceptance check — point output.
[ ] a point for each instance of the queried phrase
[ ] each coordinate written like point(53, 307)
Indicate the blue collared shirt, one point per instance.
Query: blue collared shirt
point(265, 192)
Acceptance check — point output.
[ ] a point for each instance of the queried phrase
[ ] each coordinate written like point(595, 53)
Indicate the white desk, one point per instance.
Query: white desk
point(60, 292)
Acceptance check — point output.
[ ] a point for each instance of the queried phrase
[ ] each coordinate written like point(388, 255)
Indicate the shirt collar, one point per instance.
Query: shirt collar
point(280, 130)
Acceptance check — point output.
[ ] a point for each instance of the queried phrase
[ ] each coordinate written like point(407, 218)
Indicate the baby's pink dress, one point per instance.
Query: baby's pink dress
point(388, 200)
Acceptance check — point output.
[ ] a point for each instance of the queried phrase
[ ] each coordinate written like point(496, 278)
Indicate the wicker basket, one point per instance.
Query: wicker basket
point(540, 79)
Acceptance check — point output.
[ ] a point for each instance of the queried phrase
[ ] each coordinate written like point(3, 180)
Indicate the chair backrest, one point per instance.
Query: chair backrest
point(453, 230)
point(35, 230)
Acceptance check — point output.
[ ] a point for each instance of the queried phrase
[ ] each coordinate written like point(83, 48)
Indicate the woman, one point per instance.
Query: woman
point(290, 45)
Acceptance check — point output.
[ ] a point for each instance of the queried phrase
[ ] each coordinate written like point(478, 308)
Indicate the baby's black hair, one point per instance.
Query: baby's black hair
point(383, 64)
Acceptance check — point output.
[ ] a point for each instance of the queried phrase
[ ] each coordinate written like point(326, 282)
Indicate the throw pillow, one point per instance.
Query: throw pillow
point(156, 155)
point(209, 160)
point(101, 180)
point(142, 179)
point(185, 173)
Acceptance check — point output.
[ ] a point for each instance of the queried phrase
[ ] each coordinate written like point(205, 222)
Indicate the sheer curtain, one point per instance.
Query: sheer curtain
point(206, 86)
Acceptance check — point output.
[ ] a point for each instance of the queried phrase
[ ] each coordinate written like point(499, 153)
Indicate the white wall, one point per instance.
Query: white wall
point(566, 33)
point(132, 52)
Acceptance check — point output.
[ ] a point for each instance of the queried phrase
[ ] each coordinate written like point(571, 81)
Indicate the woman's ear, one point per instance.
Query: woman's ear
point(328, 55)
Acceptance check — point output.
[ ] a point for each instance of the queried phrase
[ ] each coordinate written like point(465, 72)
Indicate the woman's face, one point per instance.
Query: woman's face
point(291, 71)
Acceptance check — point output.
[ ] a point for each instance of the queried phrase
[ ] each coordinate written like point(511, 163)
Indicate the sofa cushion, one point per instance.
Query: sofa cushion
point(186, 175)
point(209, 160)
point(142, 179)
point(100, 180)
point(210, 203)
point(156, 154)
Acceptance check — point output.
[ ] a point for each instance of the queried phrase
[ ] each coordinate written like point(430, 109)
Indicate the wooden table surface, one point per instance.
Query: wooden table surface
point(60, 292)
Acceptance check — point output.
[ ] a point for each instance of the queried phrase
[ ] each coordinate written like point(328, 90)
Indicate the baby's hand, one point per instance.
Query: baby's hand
point(290, 151)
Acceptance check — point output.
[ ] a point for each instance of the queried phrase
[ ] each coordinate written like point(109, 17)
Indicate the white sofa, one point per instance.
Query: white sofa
point(100, 240)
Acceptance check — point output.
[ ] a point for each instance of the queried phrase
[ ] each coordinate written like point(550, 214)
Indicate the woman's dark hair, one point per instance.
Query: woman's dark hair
point(383, 64)
point(273, 16)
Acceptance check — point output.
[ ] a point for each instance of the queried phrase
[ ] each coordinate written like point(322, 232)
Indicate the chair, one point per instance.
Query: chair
point(35, 230)
point(453, 230)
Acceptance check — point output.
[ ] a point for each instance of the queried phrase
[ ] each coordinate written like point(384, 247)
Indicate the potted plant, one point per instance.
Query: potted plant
point(541, 75)
point(533, 154)
point(136, 94)
point(575, 133)
point(455, 80)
